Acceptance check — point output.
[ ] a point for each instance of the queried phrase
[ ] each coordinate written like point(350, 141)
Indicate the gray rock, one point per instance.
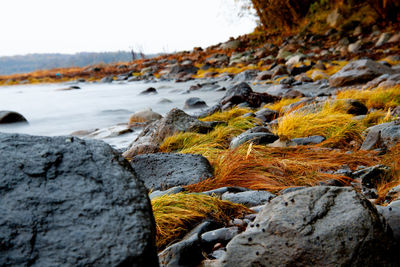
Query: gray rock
point(264, 75)
point(71, 202)
point(144, 115)
point(359, 71)
point(245, 76)
point(107, 79)
point(205, 226)
point(258, 135)
point(385, 135)
point(165, 170)
point(182, 70)
point(217, 254)
point(291, 189)
point(194, 102)
point(383, 39)
point(372, 176)
point(182, 254)
point(393, 193)
point(392, 215)
point(315, 139)
point(171, 191)
point(164, 101)
point(266, 114)
point(11, 117)
point(222, 235)
point(321, 226)
point(149, 91)
point(154, 134)
point(220, 191)
point(242, 92)
point(249, 198)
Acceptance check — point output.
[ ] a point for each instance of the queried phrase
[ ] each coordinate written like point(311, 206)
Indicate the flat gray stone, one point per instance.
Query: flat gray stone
point(160, 171)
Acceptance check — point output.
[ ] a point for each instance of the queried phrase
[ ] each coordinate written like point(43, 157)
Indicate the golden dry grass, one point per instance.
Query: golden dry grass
point(274, 169)
point(378, 98)
point(210, 145)
point(279, 105)
point(331, 122)
point(177, 214)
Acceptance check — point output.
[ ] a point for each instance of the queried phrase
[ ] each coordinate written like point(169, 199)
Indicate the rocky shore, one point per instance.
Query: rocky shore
point(297, 165)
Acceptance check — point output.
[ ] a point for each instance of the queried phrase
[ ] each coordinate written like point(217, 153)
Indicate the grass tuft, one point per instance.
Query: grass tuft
point(265, 168)
point(378, 98)
point(330, 122)
point(177, 214)
point(210, 145)
point(279, 105)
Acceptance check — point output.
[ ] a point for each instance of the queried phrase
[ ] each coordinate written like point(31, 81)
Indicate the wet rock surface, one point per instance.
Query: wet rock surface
point(249, 198)
point(359, 71)
point(153, 135)
point(385, 135)
point(165, 170)
point(323, 225)
point(66, 201)
point(7, 117)
point(257, 135)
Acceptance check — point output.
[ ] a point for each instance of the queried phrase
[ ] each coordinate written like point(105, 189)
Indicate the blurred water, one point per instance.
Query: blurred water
point(51, 112)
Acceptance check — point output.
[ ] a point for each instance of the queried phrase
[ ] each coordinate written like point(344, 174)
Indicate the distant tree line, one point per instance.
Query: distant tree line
point(32, 62)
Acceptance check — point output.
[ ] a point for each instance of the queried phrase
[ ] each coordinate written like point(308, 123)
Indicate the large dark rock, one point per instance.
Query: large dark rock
point(154, 134)
point(385, 136)
point(11, 117)
point(70, 202)
point(359, 71)
point(165, 170)
point(318, 226)
point(242, 93)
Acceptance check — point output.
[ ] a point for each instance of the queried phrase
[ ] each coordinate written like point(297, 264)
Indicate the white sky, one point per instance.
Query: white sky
point(68, 26)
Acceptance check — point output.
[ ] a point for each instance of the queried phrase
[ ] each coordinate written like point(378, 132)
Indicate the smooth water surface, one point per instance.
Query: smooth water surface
point(53, 112)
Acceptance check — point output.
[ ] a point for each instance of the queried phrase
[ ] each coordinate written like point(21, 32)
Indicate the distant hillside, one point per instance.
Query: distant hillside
point(31, 62)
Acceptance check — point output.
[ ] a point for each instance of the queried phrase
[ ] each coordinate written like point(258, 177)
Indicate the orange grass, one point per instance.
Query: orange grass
point(391, 159)
point(274, 169)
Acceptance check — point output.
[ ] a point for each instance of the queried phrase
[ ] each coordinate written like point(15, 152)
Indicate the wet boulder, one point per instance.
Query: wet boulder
point(359, 71)
point(154, 134)
point(392, 215)
point(242, 93)
point(266, 114)
point(144, 115)
point(324, 226)
point(384, 136)
point(160, 171)
point(249, 198)
point(11, 117)
point(258, 135)
point(149, 91)
point(194, 102)
point(71, 202)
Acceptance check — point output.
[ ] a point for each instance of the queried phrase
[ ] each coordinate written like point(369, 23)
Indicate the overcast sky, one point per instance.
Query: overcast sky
point(68, 26)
